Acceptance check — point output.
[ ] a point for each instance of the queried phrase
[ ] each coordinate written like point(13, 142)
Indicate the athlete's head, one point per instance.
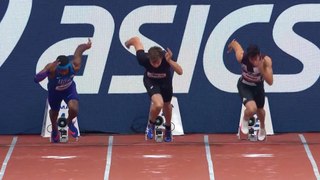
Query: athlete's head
point(64, 64)
point(253, 53)
point(155, 55)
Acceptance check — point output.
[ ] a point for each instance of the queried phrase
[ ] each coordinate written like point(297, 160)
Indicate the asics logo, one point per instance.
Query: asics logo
point(198, 15)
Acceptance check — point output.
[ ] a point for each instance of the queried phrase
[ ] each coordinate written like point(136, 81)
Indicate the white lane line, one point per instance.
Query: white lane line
point(157, 156)
point(58, 157)
point(311, 159)
point(109, 155)
point(208, 154)
point(6, 160)
point(257, 155)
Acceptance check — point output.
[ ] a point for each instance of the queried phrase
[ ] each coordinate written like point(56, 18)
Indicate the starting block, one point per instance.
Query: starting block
point(254, 124)
point(62, 122)
point(159, 129)
point(62, 128)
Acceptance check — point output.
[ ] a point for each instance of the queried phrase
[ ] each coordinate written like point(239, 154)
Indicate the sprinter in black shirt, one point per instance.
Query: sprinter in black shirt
point(256, 68)
point(157, 81)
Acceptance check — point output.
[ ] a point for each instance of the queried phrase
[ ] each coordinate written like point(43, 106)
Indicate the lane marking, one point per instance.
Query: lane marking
point(6, 160)
point(109, 154)
point(309, 154)
point(208, 154)
point(257, 155)
point(58, 157)
point(157, 156)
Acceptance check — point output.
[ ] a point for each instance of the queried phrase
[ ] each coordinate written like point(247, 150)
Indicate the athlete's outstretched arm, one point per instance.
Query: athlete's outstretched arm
point(78, 55)
point(266, 70)
point(135, 42)
point(46, 71)
point(236, 47)
point(175, 66)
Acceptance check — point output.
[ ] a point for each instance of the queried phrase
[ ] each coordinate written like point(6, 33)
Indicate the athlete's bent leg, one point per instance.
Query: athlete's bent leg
point(167, 110)
point(156, 106)
point(54, 132)
point(262, 132)
point(73, 106)
point(249, 111)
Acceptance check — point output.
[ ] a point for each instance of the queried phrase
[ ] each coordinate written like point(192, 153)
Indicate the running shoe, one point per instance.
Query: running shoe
point(262, 134)
point(168, 136)
point(244, 127)
point(73, 130)
point(55, 136)
point(149, 131)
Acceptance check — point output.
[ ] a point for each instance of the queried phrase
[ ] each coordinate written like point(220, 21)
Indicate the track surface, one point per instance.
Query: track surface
point(196, 156)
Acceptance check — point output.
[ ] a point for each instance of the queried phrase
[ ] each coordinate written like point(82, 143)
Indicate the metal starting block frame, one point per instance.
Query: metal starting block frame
point(254, 127)
point(159, 130)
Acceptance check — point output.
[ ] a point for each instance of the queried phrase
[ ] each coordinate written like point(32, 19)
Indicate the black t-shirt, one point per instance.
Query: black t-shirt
point(161, 73)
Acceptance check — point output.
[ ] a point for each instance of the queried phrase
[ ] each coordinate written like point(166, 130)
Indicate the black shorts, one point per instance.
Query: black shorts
point(158, 87)
point(248, 93)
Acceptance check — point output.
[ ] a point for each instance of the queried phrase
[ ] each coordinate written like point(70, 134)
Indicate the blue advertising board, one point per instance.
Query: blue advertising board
point(112, 95)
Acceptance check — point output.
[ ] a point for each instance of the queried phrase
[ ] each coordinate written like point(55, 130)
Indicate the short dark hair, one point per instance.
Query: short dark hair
point(64, 60)
point(155, 52)
point(253, 50)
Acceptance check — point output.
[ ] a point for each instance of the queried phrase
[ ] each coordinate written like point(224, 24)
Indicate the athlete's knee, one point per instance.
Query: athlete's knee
point(253, 109)
point(158, 105)
point(73, 111)
point(73, 107)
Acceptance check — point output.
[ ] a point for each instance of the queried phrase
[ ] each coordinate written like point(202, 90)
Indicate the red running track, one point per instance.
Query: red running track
point(197, 156)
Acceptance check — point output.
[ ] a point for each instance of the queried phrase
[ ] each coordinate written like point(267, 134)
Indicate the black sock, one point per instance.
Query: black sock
point(168, 128)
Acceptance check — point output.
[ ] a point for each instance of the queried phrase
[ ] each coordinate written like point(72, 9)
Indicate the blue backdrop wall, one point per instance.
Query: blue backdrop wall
point(112, 96)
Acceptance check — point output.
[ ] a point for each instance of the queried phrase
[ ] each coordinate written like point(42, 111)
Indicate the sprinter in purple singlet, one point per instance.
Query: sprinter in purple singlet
point(61, 86)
